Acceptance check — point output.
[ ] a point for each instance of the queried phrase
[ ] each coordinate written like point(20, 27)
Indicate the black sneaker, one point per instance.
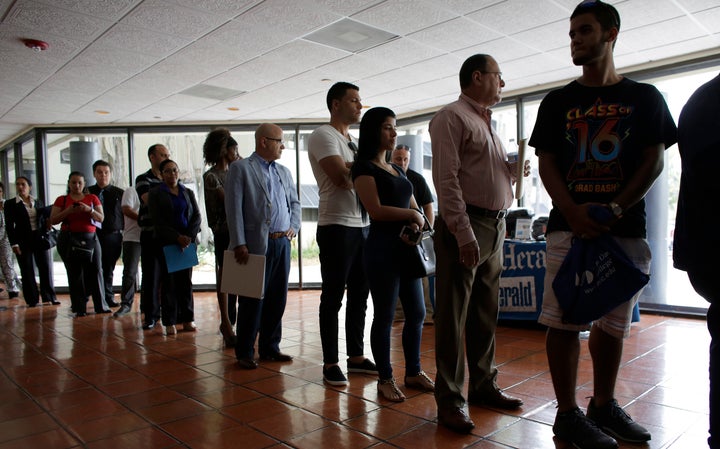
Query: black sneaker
point(366, 366)
point(612, 419)
point(334, 376)
point(575, 428)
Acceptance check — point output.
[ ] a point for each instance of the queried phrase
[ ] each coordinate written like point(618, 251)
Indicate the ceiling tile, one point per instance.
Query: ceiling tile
point(399, 53)
point(305, 16)
point(393, 16)
point(225, 8)
point(169, 18)
point(41, 17)
point(139, 40)
point(504, 18)
point(106, 9)
point(455, 34)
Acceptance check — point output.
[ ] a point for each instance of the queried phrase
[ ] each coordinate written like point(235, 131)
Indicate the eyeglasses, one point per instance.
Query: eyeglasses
point(170, 170)
point(353, 147)
point(499, 74)
point(280, 141)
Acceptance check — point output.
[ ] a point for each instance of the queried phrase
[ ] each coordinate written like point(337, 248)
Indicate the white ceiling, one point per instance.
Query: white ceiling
point(132, 58)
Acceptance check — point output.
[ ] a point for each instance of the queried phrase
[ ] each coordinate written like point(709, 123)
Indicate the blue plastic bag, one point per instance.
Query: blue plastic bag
point(595, 277)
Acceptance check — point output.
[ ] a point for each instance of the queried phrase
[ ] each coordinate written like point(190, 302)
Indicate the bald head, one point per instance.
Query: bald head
point(269, 141)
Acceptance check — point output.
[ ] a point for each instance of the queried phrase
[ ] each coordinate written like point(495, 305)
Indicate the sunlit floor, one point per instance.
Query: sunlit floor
point(99, 382)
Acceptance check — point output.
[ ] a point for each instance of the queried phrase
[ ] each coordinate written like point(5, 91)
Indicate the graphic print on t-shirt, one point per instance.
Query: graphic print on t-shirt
point(597, 133)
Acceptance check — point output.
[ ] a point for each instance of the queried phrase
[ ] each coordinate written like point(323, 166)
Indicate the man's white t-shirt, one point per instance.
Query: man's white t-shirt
point(131, 232)
point(337, 205)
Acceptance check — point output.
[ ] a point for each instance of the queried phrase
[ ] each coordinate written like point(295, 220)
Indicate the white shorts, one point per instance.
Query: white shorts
point(617, 321)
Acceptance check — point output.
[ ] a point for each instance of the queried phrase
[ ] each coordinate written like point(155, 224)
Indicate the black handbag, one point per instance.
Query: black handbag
point(81, 248)
point(419, 260)
point(48, 239)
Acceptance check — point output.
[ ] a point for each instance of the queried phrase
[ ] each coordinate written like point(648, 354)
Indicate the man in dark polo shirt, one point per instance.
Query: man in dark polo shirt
point(149, 294)
point(110, 234)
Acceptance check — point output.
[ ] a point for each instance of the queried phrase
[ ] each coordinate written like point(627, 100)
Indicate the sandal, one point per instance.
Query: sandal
point(420, 381)
point(389, 390)
point(229, 337)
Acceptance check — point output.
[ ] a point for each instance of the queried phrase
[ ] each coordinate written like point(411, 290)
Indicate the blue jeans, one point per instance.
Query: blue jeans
point(386, 285)
point(265, 316)
point(341, 250)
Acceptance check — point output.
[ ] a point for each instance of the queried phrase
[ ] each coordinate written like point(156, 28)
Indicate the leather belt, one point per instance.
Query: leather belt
point(481, 211)
point(276, 235)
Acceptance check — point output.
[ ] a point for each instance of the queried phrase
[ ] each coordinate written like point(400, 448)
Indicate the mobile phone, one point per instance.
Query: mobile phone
point(413, 236)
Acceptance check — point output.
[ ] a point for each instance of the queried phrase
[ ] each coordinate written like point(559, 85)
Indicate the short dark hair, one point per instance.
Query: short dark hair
point(2, 186)
point(402, 146)
point(152, 148)
point(471, 64)
point(605, 13)
point(338, 91)
point(101, 163)
point(370, 129)
point(162, 165)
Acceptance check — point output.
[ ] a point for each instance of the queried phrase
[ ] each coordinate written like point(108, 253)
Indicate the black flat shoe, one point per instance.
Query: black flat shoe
point(247, 363)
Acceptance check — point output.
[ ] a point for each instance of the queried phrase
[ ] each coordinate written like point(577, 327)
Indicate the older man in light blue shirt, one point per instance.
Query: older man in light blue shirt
point(263, 215)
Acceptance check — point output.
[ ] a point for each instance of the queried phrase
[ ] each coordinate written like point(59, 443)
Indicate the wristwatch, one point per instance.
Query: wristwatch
point(616, 209)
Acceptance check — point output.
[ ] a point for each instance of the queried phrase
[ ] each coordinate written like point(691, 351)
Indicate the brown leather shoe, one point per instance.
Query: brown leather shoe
point(497, 399)
point(456, 420)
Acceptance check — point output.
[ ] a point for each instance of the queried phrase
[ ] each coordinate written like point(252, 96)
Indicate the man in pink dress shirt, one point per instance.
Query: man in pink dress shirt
point(473, 180)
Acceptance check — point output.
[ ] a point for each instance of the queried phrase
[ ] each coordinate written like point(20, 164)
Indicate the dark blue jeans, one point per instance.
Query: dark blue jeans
point(386, 285)
point(264, 316)
point(705, 284)
point(341, 264)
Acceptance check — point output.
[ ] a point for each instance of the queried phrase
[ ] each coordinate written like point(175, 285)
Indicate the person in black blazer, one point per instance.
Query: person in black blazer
point(25, 219)
point(175, 213)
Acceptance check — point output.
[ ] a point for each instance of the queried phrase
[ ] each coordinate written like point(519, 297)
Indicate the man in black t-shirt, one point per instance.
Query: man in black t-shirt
point(600, 142)
point(110, 234)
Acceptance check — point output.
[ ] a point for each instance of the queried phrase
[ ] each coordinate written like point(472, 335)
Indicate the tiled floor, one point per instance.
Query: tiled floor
point(99, 382)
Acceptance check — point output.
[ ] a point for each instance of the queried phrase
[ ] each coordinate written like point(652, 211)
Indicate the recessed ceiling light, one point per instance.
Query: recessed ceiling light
point(233, 108)
point(101, 112)
point(157, 117)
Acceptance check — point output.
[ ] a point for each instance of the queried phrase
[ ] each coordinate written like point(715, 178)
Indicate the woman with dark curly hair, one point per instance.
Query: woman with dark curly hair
point(219, 151)
point(386, 195)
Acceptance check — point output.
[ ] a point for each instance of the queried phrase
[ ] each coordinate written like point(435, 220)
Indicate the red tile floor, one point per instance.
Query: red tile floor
point(99, 382)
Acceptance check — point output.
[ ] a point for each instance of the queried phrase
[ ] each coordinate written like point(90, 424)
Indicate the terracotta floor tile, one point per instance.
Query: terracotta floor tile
point(333, 436)
point(55, 439)
point(198, 426)
point(103, 383)
point(235, 437)
point(291, 424)
point(147, 438)
point(117, 424)
point(171, 411)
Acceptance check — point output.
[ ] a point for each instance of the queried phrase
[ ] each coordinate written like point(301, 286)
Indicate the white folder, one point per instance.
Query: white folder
point(243, 280)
